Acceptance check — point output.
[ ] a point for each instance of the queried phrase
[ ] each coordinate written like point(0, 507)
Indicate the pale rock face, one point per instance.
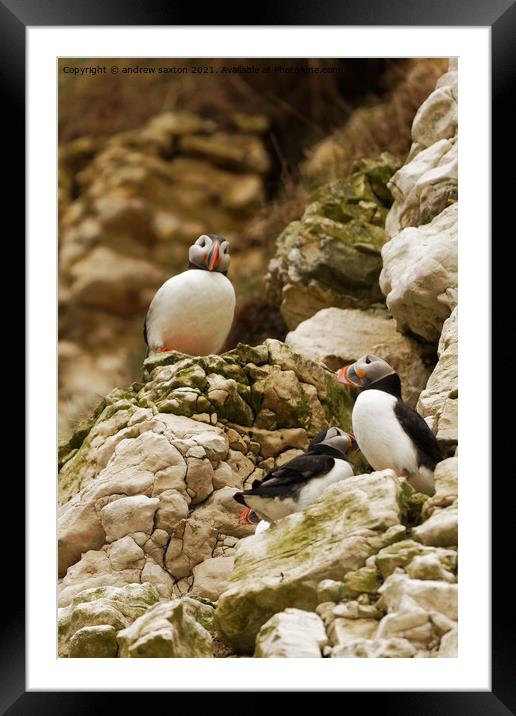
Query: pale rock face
point(279, 568)
point(446, 487)
point(211, 577)
point(438, 403)
point(375, 649)
point(429, 566)
point(401, 554)
point(102, 612)
point(128, 514)
point(412, 624)
point(449, 645)
point(292, 633)
point(399, 593)
point(343, 630)
point(331, 257)
point(419, 274)
point(147, 494)
point(97, 642)
point(440, 529)
point(172, 629)
point(337, 337)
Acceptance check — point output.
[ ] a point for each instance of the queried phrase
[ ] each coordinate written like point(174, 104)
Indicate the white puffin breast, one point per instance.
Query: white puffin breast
point(275, 508)
point(379, 434)
point(192, 313)
point(316, 486)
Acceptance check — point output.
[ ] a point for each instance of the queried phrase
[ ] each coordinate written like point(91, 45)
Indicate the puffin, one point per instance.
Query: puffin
point(389, 433)
point(298, 483)
point(193, 311)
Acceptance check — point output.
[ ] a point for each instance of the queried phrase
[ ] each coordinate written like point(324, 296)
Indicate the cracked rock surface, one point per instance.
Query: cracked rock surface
point(146, 485)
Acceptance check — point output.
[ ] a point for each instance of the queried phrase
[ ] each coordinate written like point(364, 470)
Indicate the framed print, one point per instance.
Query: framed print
point(246, 248)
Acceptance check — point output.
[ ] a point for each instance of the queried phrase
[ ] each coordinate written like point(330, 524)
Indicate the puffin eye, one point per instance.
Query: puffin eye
point(367, 360)
point(201, 241)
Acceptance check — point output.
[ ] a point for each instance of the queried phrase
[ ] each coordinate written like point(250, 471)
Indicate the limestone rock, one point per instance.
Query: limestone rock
point(338, 336)
point(419, 275)
point(331, 257)
point(429, 566)
point(98, 642)
point(99, 611)
point(343, 630)
point(440, 529)
point(438, 403)
point(449, 645)
point(171, 629)
point(375, 649)
point(211, 577)
point(292, 633)
point(401, 554)
point(146, 490)
point(128, 514)
point(281, 568)
point(446, 488)
point(400, 593)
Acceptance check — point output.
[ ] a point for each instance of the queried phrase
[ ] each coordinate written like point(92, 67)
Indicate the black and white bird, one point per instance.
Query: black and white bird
point(389, 433)
point(295, 485)
point(192, 312)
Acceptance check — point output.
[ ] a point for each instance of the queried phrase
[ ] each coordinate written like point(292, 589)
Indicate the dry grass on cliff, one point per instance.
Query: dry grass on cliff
point(378, 126)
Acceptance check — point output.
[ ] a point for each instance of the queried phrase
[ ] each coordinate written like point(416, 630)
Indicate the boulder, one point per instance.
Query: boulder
point(440, 529)
point(438, 403)
point(211, 577)
point(337, 336)
point(375, 649)
point(292, 633)
point(282, 567)
point(419, 275)
point(173, 629)
point(97, 615)
point(399, 592)
point(331, 256)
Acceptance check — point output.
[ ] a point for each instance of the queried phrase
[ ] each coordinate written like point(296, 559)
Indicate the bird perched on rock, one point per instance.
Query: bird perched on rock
point(388, 432)
point(299, 482)
point(192, 312)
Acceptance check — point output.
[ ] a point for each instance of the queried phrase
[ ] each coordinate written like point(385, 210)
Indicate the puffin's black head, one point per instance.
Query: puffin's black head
point(370, 372)
point(210, 253)
point(333, 438)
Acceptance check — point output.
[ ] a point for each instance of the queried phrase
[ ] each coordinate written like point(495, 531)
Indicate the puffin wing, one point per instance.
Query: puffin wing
point(145, 331)
point(297, 471)
point(418, 431)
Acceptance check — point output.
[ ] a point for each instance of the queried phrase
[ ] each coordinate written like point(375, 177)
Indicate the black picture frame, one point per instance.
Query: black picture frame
point(500, 16)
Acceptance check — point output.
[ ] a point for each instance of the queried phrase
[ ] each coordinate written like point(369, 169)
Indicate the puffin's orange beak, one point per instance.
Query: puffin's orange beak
point(342, 375)
point(244, 517)
point(214, 258)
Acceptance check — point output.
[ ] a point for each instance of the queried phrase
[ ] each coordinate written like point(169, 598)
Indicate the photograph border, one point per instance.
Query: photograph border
point(15, 17)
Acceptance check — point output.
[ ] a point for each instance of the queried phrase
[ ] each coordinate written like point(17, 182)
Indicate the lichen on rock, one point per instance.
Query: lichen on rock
point(147, 490)
point(331, 256)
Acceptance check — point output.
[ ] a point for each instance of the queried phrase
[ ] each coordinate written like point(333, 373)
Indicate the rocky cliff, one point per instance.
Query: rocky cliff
point(129, 206)
point(153, 560)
